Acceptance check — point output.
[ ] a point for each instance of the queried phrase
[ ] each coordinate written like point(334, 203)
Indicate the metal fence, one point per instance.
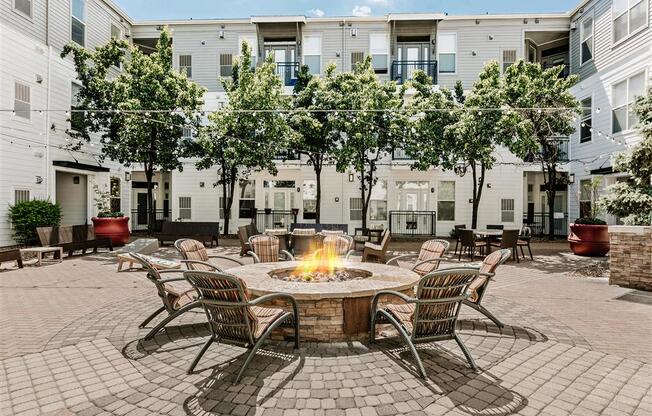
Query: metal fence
point(413, 223)
point(402, 71)
point(274, 219)
point(140, 219)
point(538, 223)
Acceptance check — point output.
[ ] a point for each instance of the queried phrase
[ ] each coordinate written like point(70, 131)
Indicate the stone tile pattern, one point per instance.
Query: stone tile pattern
point(630, 257)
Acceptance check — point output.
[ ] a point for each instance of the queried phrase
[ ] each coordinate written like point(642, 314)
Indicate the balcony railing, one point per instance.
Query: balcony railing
point(413, 223)
point(287, 71)
point(559, 147)
point(538, 223)
point(403, 71)
point(140, 219)
point(287, 155)
point(399, 154)
point(269, 218)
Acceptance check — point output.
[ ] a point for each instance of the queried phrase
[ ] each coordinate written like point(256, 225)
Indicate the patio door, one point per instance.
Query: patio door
point(285, 58)
point(411, 57)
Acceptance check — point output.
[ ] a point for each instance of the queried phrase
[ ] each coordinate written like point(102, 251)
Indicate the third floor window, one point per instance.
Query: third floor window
point(78, 22)
point(628, 17)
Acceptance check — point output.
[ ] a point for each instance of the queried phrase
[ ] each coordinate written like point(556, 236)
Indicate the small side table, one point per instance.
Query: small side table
point(57, 253)
point(158, 263)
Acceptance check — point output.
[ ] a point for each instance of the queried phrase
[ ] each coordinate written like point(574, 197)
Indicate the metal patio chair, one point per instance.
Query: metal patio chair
point(469, 244)
point(340, 245)
point(431, 315)
point(176, 294)
point(508, 240)
point(266, 249)
point(456, 235)
point(233, 318)
point(376, 252)
point(428, 258)
point(196, 257)
point(524, 239)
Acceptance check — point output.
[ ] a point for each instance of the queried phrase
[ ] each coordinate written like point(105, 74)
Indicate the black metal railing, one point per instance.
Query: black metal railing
point(287, 155)
point(402, 71)
point(538, 223)
point(287, 71)
point(140, 219)
point(559, 147)
point(413, 223)
point(269, 218)
point(399, 154)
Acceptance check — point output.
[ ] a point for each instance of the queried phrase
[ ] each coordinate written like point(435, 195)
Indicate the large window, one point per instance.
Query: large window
point(185, 64)
point(507, 210)
point(226, 64)
point(623, 96)
point(446, 201)
point(116, 191)
point(379, 50)
point(24, 7)
point(628, 17)
point(76, 117)
point(309, 200)
point(447, 52)
point(22, 100)
point(247, 199)
point(586, 40)
point(312, 53)
point(585, 198)
point(378, 201)
point(586, 131)
point(78, 22)
point(355, 209)
point(185, 207)
point(509, 57)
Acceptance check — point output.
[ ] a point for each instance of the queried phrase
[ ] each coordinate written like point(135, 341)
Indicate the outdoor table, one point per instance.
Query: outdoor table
point(283, 237)
point(57, 253)
point(487, 235)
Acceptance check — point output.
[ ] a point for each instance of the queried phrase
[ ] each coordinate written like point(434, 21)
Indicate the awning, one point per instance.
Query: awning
point(80, 166)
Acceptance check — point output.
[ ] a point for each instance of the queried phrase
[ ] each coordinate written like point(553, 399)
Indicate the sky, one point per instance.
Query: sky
point(206, 9)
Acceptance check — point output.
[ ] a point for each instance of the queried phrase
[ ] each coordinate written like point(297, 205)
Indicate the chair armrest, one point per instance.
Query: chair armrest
point(288, 256)
point(205, 263)
point(226, 258)
point(401, 257)
point(171, 279)
point(291, 300)
point(252, 254)
point(349, 254)
point(374, 300)
point(432, 260)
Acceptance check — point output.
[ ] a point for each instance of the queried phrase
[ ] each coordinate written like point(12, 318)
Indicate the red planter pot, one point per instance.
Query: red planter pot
point(589, 240)
point(115, 228)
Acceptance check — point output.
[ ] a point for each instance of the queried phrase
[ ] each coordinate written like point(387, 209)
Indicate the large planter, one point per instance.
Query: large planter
point(115, 228)
point(589, 240)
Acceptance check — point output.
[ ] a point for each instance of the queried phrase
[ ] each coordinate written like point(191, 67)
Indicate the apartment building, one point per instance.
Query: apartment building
point(448, 48)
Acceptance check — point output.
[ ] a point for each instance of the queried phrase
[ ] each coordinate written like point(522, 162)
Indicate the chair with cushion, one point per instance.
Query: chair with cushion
point(339, 245)
point(469, 244)
point(196, 257)
point(456, 235)
point(245, 232)
point(305, 241)
point(176, 294)
point(524, 241)
point(431, 315)
point(509, 240)
point(233, 318)
point(428, 258)
point(266, 249)
point(376, 252)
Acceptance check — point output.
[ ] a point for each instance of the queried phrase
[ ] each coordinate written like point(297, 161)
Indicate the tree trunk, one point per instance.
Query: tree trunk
point(229, 201)
point(227, 212)
point(551, 191)
point(363, 198)
point(318, 207)
point(478, 185)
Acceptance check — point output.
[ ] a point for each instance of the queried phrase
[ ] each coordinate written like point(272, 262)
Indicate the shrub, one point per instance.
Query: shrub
point(589, 221)
point(26, 216)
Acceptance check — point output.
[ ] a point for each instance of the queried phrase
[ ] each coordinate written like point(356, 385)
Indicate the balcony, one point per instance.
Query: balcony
point(399, 154)
point(287, 155)
point(559, 147)
point(287, 71)
point(402, 71)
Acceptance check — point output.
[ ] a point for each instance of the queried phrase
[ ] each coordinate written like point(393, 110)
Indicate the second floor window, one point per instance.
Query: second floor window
point(628, 17)
point(507, 210)
point(447, 52)
point(378, 201)
point(623, 95)
point(22, 100)
point(312, 53)
point(586, 39)
point(185, 64)
point(78, 22)
point(24, 7)
point(586, 122)
point(247, 198)
point(379, 49)
point(226, 65)
point(76, 117)
point(356, 58)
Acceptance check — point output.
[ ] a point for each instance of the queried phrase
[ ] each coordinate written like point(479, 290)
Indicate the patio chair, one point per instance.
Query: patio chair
point(376, 252)
point(245, 232)
point(524, 241)
point(478, 287)
point(177, 296)
point(196, 257)
point(456, 235)
point(431, 315)
point(233, 318)
point(266, 249)
point(469, 244)
point(305, 241)
point(509, 240)
point(428, 258)
point(341, 245)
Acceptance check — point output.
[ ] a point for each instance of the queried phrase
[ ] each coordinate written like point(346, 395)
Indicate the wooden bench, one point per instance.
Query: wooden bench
point(11, 254)
point(200, 231)
point(72, 238)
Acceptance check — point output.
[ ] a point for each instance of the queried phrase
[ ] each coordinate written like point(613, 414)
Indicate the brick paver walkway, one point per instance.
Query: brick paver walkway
point(70, 344)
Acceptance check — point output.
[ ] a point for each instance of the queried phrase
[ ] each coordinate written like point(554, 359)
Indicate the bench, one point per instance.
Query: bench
point(11, 254)
point(200, 231)
point(321, 227)
point(72, 238)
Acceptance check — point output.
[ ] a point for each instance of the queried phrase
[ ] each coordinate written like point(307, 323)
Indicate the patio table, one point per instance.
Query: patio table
point(487, 235)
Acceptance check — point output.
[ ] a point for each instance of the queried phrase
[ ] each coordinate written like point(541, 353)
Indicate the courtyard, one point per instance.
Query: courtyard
point(571, 344)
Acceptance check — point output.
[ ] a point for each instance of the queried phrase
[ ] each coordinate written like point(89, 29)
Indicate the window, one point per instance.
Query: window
point(22, 100)
point(185, 64)
point(586, 40)
point(586, 122)
point(447, 52)
point(24, 7)
point(253, 44)
point(116, 201)
point(78, 22)
point(628, 17)
point(355, 209)
point(247, 198)
point(507, 210)
point(116, 33)
point(585, 198)
point(226, 64)
point(21, 195)
point(185, 207)
point(379, 50)
point(309, 200)
point(312, 53)
point(186, 133)
point(623, 95)
point(356, 58)
point(378, 201)
point(76, 117)
point(509, 57)
point(446, 201)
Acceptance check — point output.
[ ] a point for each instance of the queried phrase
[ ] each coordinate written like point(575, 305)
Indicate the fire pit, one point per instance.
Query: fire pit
point(334, 299)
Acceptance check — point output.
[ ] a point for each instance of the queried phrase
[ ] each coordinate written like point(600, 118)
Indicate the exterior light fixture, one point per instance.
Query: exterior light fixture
point(460, 169)
point(489, 185)
point(571, 178)
point(39, 180)
point(201, 184)
point(351, 177)
point(127, 176)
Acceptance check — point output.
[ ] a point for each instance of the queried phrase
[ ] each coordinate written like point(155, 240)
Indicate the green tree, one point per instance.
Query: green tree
point(115, 106)
point(364, 122)
point(632, 200)
point(247, 133)
point(540, 109)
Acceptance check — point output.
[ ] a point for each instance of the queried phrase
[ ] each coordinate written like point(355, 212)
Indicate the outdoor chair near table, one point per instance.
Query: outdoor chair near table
point(305, 241)
point(377, 252)
point(469, 244)
point(339, 245)
point(196, 257)
point(431, 315)
point(524, 241)
point(266, 249)
point(245, 232)
point(456, 235)
point(233, 318)
point(509, 240)
point(428, 259)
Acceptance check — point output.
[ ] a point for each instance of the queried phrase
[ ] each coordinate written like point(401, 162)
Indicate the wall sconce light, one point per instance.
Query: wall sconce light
point(525, 21)
point(571, 178)
point(221, 33)
point(489, 185)
point(491, 37)
point(75, 180)
point(298, 189)
point(203, 43)
point(470, 200)
point(474, 53)
point(354, 32)
point(351, 177)
point(536, 20)
point(337, 199)
point(127, 176)
point(201, 184)
point(432, 190)
point(39, 180)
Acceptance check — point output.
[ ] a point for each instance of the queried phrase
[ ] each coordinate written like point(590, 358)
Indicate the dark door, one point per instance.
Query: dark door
point(141, 206)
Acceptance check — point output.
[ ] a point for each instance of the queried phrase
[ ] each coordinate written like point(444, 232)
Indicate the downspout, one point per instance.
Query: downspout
point(343, 45)
point(48, 190)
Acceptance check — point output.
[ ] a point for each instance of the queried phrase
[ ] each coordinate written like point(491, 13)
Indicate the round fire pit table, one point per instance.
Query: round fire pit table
point(329, 311)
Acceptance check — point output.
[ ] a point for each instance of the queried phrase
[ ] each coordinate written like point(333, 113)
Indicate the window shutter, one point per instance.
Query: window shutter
point(22, 100)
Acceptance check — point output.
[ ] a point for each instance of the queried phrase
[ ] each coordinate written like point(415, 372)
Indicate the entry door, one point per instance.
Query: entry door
point(141, 208)
point(412, 56)
point(280, 201)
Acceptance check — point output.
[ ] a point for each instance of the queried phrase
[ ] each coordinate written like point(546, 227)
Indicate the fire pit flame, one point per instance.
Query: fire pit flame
point(322, 266)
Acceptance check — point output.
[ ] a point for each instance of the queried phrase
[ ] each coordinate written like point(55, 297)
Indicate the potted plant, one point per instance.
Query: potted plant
point(589, 235)
point(109, 223)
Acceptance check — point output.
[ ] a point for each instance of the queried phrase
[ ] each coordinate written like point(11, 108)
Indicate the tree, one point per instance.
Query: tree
point(632, 200)
point(248, 132)
point(114, 106)
point(364, 122)
point(543, 108)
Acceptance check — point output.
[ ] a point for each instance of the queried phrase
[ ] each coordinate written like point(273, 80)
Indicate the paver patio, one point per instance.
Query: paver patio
point(70, 344)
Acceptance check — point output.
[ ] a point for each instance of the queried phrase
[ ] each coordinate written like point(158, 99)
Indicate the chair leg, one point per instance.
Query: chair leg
point(152, 316)
point(466, 352)
point(518, 260)
point(530, 250)
point(456, 243)
point(408, 341)
point(459, 257)
point(200, 354)
point(171, 317)
point(485, 312)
